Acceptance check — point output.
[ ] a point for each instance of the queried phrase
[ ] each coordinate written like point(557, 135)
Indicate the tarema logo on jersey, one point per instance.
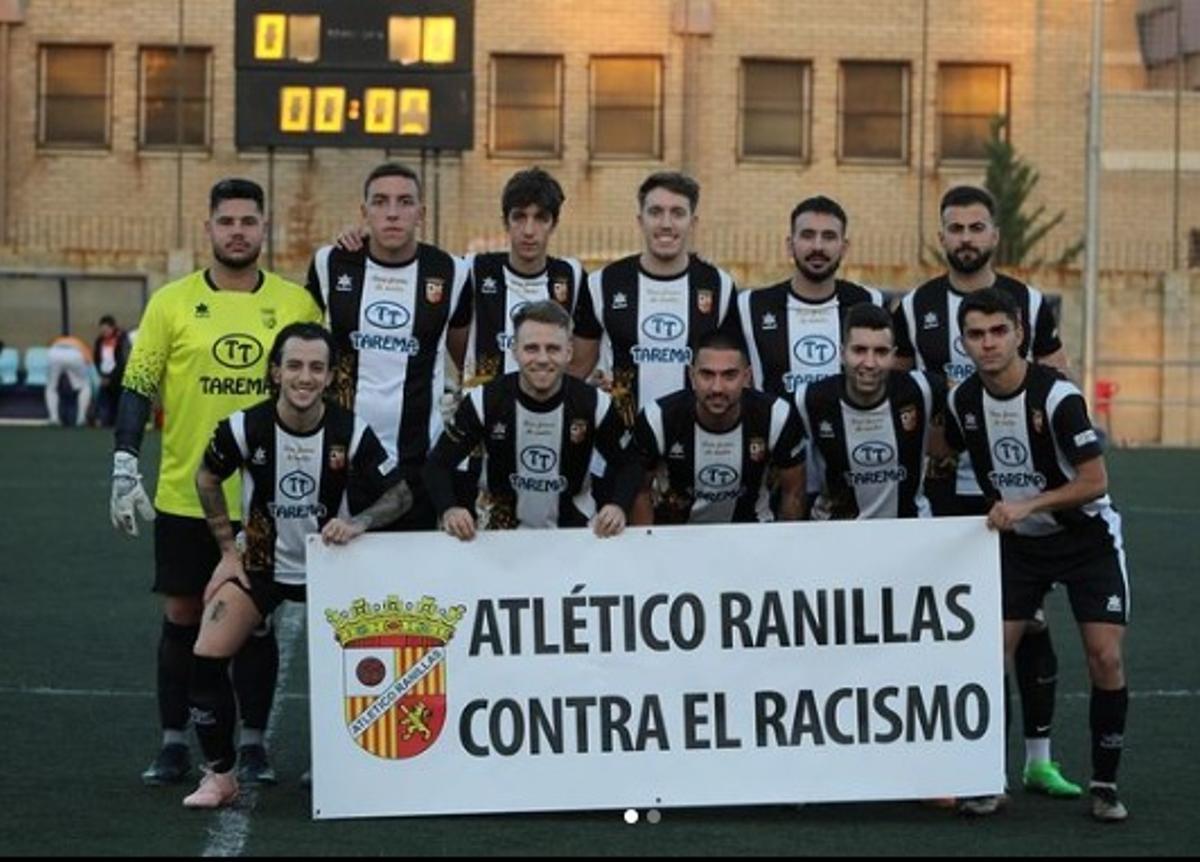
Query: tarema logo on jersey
point(387, 315)
point(718, 476)
point(663, 327)
point(297, 485)
point(873, 453)
point(237, 351)
point(1010, 452)
point(539, 459)
point(815, 350)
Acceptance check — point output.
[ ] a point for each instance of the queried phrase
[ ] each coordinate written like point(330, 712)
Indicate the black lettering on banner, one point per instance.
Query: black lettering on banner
point(809, 621)
point(514, 608)
point(545, 726)
point(580, 705)
point(769, 707)
point(485, 630)
point(735, 609)
point(615, 713)
point(962, 613)
point(925, 615)
point(831, 716)
point(541, 646)
point(861, 635)
point(890, 635)
point(465, 737)
point(605, 604)
point(572, 624)
point(884, 711)
point(691, 602)
point(646, 618)
point(928, 719)
point(771, 621)
point(972, 692)
point(693, 720)
point(627, 608)
point(496, 729)
point(839, 617)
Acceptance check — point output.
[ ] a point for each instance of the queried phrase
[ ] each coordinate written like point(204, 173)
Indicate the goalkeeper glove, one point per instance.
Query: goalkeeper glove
point(128, 495)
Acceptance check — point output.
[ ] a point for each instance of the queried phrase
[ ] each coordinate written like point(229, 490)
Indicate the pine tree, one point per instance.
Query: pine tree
point(1011, 180)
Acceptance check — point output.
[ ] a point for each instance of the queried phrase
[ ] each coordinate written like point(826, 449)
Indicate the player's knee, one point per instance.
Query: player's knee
point(1105, 665)
point(183, 610)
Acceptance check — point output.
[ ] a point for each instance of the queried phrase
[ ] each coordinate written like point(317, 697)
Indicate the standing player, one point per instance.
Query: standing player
point(388, 305)
point(308, 467)
point(718, 440)
point(870, 427)
point(501, 283)
point(645, 313)
point(927, 335)
point(544, 434)
point(200, 347)
point(1040, 465)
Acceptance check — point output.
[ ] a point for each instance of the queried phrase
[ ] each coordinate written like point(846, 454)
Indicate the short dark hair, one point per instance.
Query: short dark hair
point(867, 315)
point(819, 204)
point(990, 300)
point(305, 331)
point(965, 196)
point(235, 189)
point(391, 169)
point(543, 311)
point(720, 339)
point(672, 181)
point(108, 320)
point(533, 186)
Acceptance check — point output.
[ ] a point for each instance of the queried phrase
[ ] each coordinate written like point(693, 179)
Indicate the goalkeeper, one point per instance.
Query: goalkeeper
point(202, 349)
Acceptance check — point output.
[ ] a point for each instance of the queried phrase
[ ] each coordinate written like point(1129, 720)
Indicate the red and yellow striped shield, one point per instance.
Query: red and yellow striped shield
point(395, 693)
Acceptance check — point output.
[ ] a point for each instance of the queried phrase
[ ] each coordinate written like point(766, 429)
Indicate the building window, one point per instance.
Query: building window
point(970, 98)
point(873, 108)
point(526, 106)
point(626, 107)
point(775, 107)
point(175, 98)
point(74, 95)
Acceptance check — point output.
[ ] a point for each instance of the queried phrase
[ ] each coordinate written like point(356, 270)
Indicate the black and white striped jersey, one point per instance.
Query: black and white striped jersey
point(717, 477)
point(293, 483)
point(540, 458)
point(793, 341)
point(1027, 443)
point(649, 325)
point(494, 294)
point(927, 331)
point(390, 325)
point(872, 458)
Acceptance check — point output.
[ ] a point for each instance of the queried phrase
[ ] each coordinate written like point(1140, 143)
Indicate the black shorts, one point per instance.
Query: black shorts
point(1089, 561)
point(268, 594)
point(946, 502)
point(185, 554)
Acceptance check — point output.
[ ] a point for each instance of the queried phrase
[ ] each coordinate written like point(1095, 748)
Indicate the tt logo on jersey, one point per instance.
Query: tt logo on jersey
point(394, 672)
point(237, 351)
point(718, 476)
point(387, 315)
point(539, 459)
point(297, 485)
point(663, 326)
point(1010, 452)
point(873, 453)
point(814, 350)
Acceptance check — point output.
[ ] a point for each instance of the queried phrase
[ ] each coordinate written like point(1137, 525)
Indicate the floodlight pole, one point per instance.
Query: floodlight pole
point(1092, 219)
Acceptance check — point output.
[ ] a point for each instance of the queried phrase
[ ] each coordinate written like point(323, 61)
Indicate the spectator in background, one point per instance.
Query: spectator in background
point(111, 351)
point(69, 358)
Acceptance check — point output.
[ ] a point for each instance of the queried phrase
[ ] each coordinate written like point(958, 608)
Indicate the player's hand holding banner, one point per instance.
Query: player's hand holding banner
point(128, 495)
point(700, 665)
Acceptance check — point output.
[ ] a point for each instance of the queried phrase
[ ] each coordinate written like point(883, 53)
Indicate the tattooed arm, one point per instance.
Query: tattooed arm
point(212, 498)
point(395, 501)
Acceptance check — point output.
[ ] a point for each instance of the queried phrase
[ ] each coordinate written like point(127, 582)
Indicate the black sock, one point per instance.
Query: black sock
point(214, 711)
point(255, 669)
point(174, 673)
point(1036, 667)
point(1107, 714)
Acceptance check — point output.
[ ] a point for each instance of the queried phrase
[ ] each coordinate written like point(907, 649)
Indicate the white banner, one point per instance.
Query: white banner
point(551, 670)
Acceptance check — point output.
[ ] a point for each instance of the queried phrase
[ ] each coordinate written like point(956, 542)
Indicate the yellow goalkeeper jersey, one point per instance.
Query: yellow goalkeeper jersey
point(204, 352)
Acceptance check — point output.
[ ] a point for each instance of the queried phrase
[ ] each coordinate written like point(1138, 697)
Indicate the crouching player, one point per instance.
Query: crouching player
point(306, 466)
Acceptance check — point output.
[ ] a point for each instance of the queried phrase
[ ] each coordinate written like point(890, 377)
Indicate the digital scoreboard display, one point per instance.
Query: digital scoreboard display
point(383, 74)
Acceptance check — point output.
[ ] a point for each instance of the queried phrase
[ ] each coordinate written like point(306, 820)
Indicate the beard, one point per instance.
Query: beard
point(814, 275)
point(245, 260)
point(967, 267)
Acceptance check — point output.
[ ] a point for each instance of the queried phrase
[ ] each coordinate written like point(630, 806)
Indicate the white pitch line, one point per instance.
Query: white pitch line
point(228, 836)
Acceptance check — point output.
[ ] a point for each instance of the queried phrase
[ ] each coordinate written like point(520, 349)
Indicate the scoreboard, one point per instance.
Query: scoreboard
point(355, 73)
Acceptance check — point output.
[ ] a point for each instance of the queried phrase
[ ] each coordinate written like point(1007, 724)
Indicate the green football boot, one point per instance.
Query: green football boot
point(1043, 776)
